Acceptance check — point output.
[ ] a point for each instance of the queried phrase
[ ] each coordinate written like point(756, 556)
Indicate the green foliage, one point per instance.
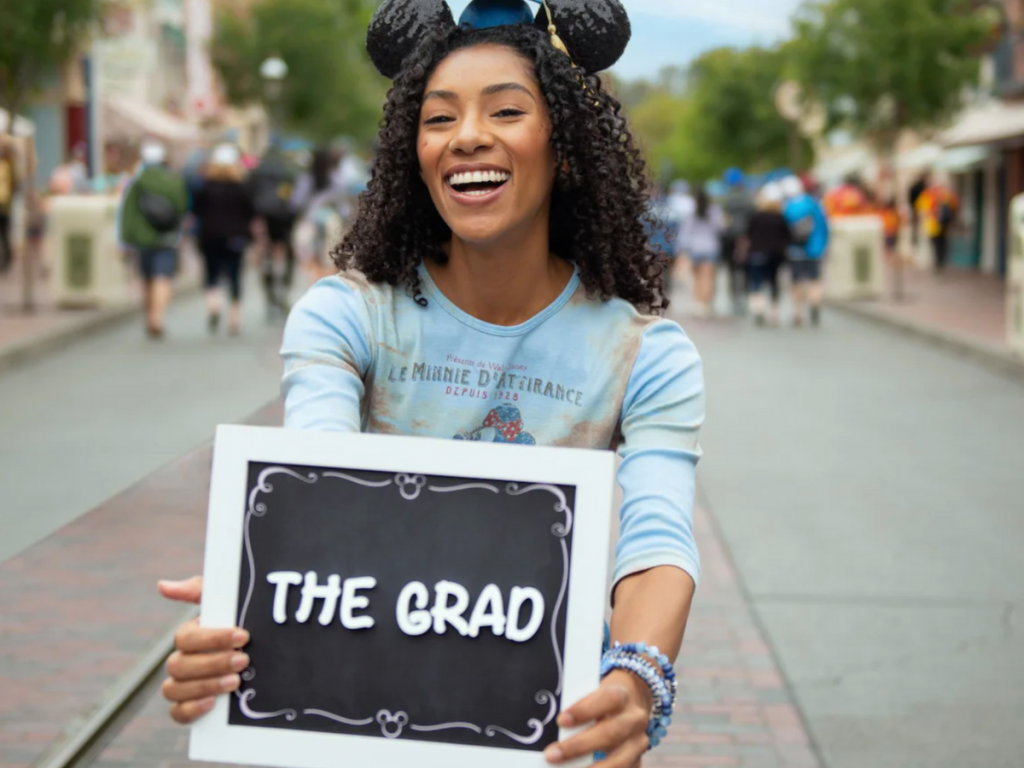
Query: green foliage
point(881, 66)
point(719, 113)
point(39, 37)
point(331, 88)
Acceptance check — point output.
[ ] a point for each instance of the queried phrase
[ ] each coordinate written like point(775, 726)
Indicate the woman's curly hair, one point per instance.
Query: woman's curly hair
point(600, 204)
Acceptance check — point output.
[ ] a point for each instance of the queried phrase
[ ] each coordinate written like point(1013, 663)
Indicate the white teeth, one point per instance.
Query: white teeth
point(479, 177)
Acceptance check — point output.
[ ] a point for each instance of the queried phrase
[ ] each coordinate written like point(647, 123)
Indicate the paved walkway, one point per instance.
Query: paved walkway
point(961, 310)
point(25, 335)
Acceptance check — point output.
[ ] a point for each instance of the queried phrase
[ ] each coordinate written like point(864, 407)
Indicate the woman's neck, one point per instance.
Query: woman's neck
point(504, 283)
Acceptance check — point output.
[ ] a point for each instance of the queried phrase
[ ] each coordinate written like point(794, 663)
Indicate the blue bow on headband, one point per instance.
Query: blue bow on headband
point(483, 14)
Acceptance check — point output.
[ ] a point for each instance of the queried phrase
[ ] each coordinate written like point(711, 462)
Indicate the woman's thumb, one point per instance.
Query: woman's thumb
point(187, 591)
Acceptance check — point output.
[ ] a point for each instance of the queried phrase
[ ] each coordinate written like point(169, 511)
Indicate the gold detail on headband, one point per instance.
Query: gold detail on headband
point(556, 41)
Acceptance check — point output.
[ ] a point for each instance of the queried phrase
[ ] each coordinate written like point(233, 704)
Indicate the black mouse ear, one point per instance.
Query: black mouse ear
point(397, 28)
point(595, 31)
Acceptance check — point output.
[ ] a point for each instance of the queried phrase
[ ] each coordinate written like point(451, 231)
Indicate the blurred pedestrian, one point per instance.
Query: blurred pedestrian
point(892, 222)
point(809, 237)
point(700, 239)
point(72, 177)
point(317, 202)
point(848, 199)
point(9, 185)
point(765, 245)
point(661, 234)
point(272, 184)
point(152, 210)
point(680, 207)
point(913, 195)
point(225, 211)
point(938, 207)
point(738, 206)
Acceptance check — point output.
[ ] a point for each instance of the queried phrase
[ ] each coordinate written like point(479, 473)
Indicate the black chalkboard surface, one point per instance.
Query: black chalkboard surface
point(332, 551)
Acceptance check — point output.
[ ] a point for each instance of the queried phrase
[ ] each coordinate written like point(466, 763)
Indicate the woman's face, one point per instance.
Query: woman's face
point(484, 144)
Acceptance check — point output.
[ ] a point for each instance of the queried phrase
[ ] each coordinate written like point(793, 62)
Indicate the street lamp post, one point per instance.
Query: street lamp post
point(273, 71)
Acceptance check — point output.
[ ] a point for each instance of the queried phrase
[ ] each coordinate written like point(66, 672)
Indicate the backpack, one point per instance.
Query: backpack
point(159, 212)
point(272, 183)
point(945, 215)
point(802, 229)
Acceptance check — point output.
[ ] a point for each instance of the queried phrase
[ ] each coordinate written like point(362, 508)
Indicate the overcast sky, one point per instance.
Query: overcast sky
point(675, 31)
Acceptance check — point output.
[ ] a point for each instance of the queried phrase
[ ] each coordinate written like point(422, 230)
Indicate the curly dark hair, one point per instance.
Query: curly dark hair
point(600, 204)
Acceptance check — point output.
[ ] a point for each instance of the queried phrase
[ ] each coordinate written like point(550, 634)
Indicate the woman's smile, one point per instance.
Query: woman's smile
point(476, 184)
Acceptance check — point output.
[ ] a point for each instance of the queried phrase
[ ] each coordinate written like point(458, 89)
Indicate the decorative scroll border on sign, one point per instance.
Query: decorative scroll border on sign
point(410, 486)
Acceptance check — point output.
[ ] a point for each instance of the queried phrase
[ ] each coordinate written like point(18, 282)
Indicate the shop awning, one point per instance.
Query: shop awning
point(124, 118)
point(990, 123)
point(960, 159)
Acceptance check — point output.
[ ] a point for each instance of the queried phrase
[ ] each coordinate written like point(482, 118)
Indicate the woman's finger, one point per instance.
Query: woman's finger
point(187, 591)
point(606, 736)
point(629, 754)
point(606, 700)
point(191, 711)
point(196, 690)
point(204, 666)
point(191, 638)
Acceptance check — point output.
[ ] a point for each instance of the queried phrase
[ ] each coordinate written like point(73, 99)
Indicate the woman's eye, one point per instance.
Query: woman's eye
point(438, 119)
point(510, 112)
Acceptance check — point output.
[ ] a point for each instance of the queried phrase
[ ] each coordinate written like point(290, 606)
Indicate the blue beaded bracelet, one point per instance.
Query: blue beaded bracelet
point(663, 689)
point(652, 651)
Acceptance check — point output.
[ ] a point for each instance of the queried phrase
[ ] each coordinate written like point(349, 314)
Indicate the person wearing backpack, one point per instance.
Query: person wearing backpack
point(809, 236)
point(938, 207)
point(149, 222)
point(271, 185)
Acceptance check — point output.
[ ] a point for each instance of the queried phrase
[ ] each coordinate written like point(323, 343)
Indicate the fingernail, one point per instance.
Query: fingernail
point(566, 720)
point(240, 638)
point(230, 682)
point(239, 661)
point(207, 704)
point(553, 754)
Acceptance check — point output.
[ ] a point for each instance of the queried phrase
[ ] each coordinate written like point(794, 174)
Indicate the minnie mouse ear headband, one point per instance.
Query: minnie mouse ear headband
point(594, 33)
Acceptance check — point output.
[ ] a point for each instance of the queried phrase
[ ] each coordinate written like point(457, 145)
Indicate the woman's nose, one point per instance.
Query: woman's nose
point(471, 136)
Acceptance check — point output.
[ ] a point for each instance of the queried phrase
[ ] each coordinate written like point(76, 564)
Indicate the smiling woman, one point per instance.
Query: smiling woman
point(498, 286)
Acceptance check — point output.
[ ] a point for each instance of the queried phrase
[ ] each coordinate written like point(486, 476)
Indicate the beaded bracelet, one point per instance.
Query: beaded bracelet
point(652, 651)
point(662, 690)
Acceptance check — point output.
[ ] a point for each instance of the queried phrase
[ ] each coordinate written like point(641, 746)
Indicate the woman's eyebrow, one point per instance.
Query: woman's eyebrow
point(444, 95)
point(490, 90)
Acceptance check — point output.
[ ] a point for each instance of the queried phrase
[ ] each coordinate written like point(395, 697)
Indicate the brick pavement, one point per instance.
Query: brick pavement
point(962, 302)
point(734, 708)
point(78, 609)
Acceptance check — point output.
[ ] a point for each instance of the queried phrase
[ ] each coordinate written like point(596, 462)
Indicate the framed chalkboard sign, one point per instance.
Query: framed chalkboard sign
point(414, 602)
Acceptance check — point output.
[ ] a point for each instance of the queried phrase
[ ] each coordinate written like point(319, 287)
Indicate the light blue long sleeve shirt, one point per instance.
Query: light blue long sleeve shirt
point(361, 356)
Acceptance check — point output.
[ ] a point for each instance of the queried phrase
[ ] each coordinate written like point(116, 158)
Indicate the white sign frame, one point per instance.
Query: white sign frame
point(591, 472)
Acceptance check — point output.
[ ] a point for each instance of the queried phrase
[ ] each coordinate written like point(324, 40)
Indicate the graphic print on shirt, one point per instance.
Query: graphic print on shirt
point(503, 424)
point(483, 380)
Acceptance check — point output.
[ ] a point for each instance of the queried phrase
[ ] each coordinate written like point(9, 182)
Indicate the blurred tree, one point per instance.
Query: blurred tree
point(331, 89)
point(39, 37)
point(696, 122)
point(879, 67)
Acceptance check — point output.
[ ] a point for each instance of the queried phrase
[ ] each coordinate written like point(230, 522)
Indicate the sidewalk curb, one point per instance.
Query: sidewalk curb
point(19, 352)
point(989, 355)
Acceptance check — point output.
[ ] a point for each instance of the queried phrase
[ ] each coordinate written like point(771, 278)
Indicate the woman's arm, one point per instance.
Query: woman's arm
point(657, 564)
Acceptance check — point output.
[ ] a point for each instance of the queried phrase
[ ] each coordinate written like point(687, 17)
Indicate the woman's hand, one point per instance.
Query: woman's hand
point(619, 711)
point(205, 663)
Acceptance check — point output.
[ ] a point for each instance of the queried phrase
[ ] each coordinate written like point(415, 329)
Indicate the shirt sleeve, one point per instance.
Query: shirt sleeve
point(327, 355)
point(662, 414)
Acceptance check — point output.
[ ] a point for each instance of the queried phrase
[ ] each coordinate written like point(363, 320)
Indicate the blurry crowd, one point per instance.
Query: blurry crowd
point(754, 229)
point(280, 209)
